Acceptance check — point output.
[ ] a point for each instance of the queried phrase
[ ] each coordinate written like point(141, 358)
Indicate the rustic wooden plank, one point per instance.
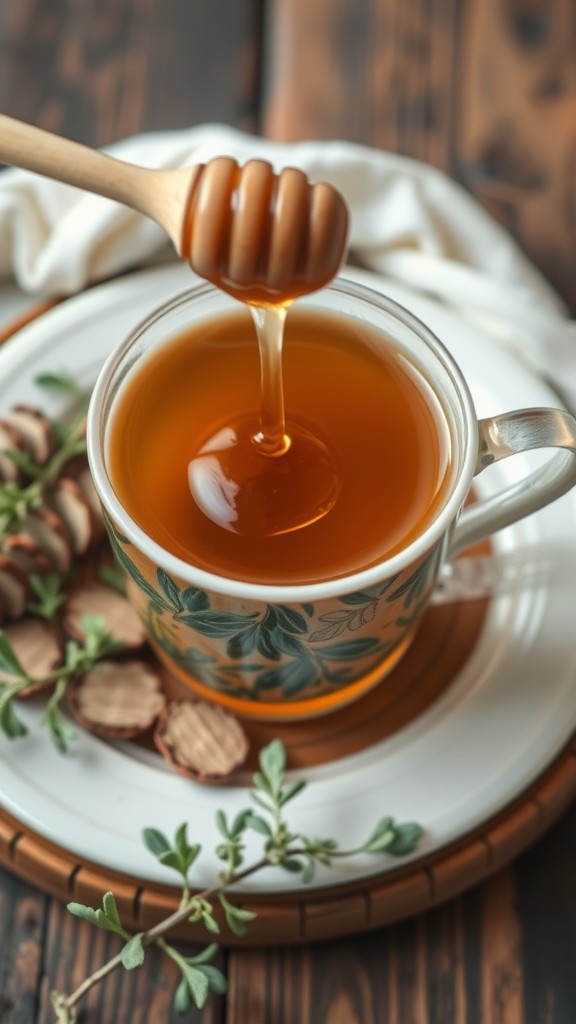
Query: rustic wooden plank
point(483, 89)
point(515, 141)
point(22, 917)
point(98, 72)
point(74, 949)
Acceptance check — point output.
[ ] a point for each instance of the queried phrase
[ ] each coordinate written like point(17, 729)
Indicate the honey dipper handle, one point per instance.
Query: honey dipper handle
point(162, 195)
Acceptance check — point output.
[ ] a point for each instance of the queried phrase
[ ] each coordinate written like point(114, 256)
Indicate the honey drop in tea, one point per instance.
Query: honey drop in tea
point(383, 435)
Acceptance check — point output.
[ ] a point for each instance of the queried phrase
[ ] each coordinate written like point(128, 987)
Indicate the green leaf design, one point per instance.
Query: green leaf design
point(348, 650)
point(133, 953)
point(135, 574)
point(171, 590)
point(155, 841)
point(309, 609)
point(291, 678)
point(265, 643)
point(242, 644)
point(291, 620)
point(288, 644)
point(216, 624)
point(194, 600)
point(413, 587)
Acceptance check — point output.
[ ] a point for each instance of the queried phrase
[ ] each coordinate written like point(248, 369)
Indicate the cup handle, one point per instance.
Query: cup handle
point(508, 434)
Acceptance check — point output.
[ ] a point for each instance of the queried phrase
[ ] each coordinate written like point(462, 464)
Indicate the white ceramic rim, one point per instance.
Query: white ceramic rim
point(294, 593)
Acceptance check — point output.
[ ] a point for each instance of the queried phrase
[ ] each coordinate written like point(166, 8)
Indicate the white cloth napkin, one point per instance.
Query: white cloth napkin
point(410, 222)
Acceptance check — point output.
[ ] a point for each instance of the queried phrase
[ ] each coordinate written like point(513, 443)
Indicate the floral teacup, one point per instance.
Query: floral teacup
point(295, 651)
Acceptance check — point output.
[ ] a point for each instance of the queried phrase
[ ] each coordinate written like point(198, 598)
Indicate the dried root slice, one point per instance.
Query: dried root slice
point(77, 471)
point(26, 553)
point(42, 544)
point(118, 614)
point(9, 438)
point(70, 504)
point(119, 699)
point(35, 431)
point(201, 740)
point(38, 649)
point(15, 590)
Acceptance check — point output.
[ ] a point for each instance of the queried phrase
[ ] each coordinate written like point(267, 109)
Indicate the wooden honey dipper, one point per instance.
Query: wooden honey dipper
point(263, 237)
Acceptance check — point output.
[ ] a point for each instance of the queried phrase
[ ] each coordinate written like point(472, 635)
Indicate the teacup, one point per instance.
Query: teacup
point(329, 642)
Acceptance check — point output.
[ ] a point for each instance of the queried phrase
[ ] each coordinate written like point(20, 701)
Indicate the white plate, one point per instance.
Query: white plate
point(508, 713)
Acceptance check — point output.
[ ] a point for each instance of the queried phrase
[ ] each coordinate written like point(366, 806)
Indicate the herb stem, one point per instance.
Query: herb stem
point(154, 935)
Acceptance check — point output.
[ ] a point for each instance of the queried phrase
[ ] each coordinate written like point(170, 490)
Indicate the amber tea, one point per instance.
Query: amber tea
point(380, 449)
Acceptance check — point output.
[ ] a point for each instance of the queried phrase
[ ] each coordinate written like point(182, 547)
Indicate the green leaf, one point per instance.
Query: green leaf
point(133, 953)
point(171, 589)
point(291, 864)
point(10, 724)
point(258, 824)
point(236, 917)
point(57, 382)
point(216, 981)
point(155, 841)
point(8, 659)
point(383, 827)
point(205, 955)
point(172, 859)
point(240, 823)
point(197, 983)
point(110, 909)
point(182, 998)
point(291, 790)
point(272, 761)
point(405, 840)
point(262, 783)
point(216, 624)
point(348, 650)
point(49, 590)
point(210, 923)
point(308, 873)
point(291, 620)
point(86, 913)
point(222, 824)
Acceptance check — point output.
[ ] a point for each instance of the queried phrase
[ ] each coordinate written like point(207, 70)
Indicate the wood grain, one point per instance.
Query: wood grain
point(99, 70)
point(483, 89)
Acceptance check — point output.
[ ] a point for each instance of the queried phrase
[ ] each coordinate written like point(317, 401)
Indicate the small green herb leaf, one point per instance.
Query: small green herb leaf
point(216, 981)
point(8, 659)
point(236, 917)
point(273, 762)
point(182, 998)
point(405, 839)
point(57, 382)
point(133, 953)
point(86, 913)
point(197, 983)
point(205, 955)
point(155, 841)
point(259, 825)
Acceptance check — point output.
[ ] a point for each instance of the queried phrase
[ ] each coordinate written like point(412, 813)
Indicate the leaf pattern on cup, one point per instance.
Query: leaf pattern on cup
point(277, 652)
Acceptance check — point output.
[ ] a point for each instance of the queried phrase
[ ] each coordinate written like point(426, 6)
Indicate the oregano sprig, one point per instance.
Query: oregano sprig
point(82, 657)
point(282, 847)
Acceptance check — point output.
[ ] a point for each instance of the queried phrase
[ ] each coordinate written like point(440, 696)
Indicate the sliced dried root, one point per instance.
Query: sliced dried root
point(201, 740)
point(118, 699)
point(38, 649)
point(10, 438)
point(15, 589)
point(118, 614)
point(68, 501)
point(35, 430)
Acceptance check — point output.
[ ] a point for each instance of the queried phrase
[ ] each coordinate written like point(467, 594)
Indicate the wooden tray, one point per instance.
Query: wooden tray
point(443, 645)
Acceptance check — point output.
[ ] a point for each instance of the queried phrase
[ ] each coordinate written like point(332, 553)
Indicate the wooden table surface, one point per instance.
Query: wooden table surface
point(486, 90)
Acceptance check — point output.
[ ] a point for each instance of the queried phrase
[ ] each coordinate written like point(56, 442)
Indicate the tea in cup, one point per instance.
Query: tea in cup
point(270, 620)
